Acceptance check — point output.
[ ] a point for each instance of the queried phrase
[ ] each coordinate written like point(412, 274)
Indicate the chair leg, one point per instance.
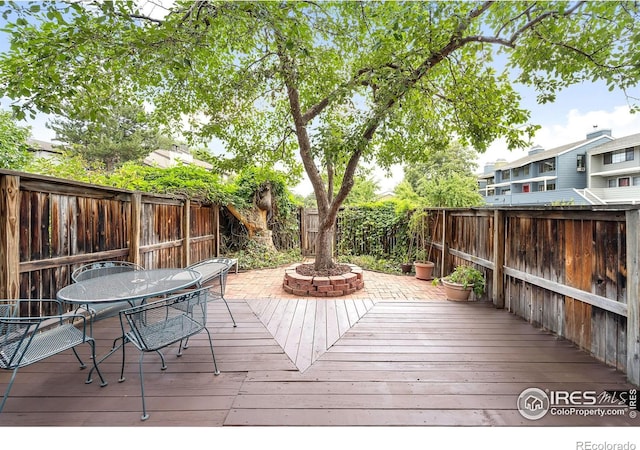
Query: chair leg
point(6, 393)
point(215, 366)
point(164, 364)
point(121, 379)
point(229, 309)
point(82, 364)
point(92, 343)
point(145, 416)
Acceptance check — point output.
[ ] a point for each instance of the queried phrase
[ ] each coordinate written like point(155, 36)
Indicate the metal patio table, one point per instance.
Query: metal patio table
point(133, 287)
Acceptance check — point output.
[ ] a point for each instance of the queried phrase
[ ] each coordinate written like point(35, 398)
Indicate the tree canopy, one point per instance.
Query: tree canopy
point(13, 143)
point(337, 83)
point(445, 177)
point(122, 133)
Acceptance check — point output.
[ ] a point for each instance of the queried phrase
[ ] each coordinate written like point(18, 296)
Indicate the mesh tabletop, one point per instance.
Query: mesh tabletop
point(133, 285)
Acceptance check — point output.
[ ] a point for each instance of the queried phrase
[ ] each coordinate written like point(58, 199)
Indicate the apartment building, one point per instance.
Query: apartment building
point(614, 172)
point(545, 177)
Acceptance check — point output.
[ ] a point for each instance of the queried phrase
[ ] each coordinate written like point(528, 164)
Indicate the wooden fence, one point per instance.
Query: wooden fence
point(50, 226)
point(573, 271)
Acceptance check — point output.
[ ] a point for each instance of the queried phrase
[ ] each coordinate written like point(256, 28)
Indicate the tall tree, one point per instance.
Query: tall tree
point(121, 133)
point(336, 82)
point(443, 178)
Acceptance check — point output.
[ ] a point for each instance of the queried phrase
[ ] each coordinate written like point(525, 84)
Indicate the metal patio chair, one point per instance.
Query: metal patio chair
point(214, 273)
point(25, 340)
point(99, 269)
point(156, 325)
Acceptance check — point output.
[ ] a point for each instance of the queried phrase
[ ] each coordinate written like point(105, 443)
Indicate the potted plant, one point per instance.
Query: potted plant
point(459, 284)
point(423, 267)
point(406, 267)
point(407, 263)
point(419, 232)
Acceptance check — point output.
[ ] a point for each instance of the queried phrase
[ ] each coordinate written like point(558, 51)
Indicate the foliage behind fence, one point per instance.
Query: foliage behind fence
point(379, 230)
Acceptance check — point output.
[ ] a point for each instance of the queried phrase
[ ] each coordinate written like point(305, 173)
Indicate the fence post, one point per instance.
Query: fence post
point(445, 248)
point(498, 258)
point(216, 223)
point(633, 296)
point(136, 224)
point(10, 232)
point(186, 233)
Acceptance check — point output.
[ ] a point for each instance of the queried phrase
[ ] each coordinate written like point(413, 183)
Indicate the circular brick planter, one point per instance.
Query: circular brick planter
point(333, 286)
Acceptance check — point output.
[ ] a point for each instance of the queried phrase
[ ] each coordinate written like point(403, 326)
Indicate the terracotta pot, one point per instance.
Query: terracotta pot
point(456, 292)
point(406, 267)
point(424, 269)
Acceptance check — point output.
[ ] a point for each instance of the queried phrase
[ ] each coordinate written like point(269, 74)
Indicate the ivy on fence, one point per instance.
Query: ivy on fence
point(375, 229)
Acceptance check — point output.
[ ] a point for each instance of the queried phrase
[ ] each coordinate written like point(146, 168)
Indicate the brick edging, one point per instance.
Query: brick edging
point(332, 286)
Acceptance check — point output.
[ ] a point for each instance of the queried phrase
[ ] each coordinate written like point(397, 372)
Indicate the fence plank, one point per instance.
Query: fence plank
point(633, 297)
point(10, 239)
point(498, 255)
point(135, 228)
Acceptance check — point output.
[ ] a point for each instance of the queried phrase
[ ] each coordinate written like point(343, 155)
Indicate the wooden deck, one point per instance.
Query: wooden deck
point(314, 362)
point(306, 329)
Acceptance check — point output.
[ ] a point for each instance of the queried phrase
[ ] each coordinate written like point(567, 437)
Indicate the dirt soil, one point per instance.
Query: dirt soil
point(309, 271)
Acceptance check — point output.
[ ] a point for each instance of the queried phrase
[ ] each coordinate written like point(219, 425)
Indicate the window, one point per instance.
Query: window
point(548, 165)
point(581, 163)
point(520, 171)
point(619, 156)
point(622, 182)
point(550, 187)
point(506, 175)
point(525, 188)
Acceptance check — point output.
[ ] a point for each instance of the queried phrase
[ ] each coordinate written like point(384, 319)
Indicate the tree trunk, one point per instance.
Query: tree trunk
point(255, 221)
point(324, 247)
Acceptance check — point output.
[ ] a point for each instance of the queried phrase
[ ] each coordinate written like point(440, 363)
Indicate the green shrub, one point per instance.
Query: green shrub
point(370, 262)
point(257, 256)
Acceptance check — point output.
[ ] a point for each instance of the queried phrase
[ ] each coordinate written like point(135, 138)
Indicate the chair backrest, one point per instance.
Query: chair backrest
point(101, 268)
point(16, 333)
point(157, 324)
point(15, 342)
point(214, 273)
point(7, 312)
